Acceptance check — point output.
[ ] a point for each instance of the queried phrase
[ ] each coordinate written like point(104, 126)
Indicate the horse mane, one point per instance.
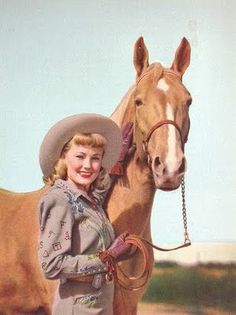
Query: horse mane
point(124, 113)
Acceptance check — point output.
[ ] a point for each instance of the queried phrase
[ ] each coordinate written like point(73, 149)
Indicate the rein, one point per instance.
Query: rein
point(140, 243)
point(128, 283)
point(187, 241)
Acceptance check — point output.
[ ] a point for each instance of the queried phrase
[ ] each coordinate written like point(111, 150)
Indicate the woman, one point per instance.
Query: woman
point(76, 235)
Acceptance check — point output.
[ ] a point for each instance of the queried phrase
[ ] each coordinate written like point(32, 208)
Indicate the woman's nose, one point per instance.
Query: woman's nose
point(87, 163)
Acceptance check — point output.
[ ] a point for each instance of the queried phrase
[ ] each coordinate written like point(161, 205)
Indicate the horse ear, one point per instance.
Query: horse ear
point(182, 57)
point(140, 56)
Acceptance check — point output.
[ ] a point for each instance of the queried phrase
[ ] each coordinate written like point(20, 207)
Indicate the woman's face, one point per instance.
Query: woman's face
point(83, 165)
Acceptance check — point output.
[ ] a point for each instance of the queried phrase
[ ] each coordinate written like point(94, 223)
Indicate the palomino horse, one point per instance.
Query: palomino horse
point(158, 105)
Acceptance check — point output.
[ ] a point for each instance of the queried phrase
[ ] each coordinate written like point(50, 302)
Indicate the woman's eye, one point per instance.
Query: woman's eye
point(95, 158)
point(80, 157)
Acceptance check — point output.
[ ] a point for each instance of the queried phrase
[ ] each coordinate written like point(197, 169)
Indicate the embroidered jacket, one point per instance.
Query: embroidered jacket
point(73, 228)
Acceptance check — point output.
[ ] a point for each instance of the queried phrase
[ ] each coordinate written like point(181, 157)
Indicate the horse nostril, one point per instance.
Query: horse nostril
point(158, 166)
point(157, 162)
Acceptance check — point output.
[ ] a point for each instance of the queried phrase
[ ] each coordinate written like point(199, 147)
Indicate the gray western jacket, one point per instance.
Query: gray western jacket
point(73, 229)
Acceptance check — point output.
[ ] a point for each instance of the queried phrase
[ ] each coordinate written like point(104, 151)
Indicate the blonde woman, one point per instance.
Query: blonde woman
point(75, 157)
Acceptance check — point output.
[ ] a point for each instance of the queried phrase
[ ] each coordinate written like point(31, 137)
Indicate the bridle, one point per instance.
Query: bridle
point(158, 70)
point(155, 127)
point(138, 240)
point(146, 138)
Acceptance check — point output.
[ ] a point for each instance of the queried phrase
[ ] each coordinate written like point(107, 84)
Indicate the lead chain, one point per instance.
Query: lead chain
point(184, 213)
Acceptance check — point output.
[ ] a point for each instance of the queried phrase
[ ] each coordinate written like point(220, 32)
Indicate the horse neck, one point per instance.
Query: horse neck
point(124, 113)
point(138, 176)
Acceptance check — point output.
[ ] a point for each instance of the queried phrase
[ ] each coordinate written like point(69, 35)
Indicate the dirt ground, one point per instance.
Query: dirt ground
point(164, 309)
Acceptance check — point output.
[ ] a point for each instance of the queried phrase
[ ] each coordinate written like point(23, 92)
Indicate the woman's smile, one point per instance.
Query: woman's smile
point(85, 174)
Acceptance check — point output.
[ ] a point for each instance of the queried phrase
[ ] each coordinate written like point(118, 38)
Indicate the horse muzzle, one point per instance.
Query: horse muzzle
point(168, 176)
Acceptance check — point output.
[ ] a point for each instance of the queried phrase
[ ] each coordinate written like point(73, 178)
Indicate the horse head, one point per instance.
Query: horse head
point(160, 108)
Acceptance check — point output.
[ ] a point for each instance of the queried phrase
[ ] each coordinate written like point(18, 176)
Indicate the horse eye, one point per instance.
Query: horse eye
point(189, 102)
point(138, 102)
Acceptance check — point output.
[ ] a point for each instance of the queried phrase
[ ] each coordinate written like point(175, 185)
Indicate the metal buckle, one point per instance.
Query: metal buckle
point(109, 277)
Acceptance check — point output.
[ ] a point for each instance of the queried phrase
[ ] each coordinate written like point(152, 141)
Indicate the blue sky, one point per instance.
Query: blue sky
point(59, 58)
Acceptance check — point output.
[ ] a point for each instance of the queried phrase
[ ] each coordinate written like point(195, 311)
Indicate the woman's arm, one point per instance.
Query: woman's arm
point(56, 224)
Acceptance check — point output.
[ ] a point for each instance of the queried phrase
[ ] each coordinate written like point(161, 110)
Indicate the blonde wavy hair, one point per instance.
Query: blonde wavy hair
point(93, 140)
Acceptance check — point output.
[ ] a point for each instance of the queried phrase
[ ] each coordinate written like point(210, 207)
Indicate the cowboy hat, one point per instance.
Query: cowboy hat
point(64, 130)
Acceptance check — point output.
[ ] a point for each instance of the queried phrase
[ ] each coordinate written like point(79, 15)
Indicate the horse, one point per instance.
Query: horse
point(158, 105)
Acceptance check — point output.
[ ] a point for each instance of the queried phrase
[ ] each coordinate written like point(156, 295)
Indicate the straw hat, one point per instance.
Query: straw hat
point(59, 134)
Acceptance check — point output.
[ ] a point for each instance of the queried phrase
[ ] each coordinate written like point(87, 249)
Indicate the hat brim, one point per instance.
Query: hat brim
point(65, 129)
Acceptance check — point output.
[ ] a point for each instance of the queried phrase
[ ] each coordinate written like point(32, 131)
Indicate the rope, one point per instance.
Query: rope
point(143, 276)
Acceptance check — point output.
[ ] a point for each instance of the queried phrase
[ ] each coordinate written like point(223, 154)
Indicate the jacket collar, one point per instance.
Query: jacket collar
point(61, 183)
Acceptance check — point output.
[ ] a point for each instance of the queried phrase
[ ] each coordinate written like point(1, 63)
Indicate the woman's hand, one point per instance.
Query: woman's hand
point(118, 250)
point(127, 136)
point(126, 150)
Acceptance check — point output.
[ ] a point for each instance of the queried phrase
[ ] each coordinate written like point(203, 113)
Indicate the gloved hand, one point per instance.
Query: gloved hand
point(127, 136)
point(126, 150)
point(118, 249)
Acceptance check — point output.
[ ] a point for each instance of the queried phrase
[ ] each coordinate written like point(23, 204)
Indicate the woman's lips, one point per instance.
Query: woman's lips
point(85, 175)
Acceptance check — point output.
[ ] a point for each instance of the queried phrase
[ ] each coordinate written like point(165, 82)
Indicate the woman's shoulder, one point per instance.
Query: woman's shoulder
point(53, 194)
point(60, 195)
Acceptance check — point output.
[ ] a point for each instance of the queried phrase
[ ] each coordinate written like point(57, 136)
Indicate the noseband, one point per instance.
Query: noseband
point(155, 127)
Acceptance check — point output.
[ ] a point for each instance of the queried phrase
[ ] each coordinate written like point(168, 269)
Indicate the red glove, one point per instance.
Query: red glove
point(126, 150)
point(117, 250)
point(127, 136)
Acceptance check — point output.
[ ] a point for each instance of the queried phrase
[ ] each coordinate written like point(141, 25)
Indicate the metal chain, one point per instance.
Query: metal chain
point(184, 213)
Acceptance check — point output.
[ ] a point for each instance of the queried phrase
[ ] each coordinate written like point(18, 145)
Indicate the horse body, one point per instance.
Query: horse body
point(23, 289)
point(158, 106)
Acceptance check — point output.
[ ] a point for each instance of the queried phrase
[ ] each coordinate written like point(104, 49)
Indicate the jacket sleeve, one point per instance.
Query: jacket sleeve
point(56, 224)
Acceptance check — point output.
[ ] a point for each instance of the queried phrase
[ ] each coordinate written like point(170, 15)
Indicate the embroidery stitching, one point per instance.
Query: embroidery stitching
point(45, 254)
point(50, 233)
point(44, 265)
point(56, 246)
point(67, 236)
point(91, 269)
point(89, 300)
point(76, 205)
point(92, 256)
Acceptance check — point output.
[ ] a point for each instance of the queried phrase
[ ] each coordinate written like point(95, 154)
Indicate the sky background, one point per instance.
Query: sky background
point(62, 57)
